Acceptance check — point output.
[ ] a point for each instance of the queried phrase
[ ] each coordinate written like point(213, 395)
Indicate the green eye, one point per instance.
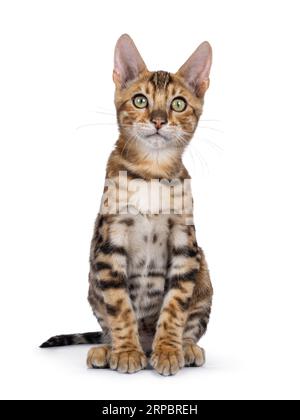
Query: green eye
point(178, 104)
point(140, 101)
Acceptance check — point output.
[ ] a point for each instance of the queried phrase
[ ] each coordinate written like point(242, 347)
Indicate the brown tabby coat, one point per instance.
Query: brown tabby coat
point(149, 283)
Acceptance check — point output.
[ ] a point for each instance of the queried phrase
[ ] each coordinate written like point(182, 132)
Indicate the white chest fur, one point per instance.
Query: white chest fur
point(147, 263)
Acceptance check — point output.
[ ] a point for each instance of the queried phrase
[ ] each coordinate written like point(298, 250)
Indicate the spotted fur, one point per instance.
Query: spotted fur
point(149, 284)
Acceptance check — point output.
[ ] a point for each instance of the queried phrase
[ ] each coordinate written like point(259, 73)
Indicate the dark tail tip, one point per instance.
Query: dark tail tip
point(45, 345)
point(52, 342)
point(69, 339)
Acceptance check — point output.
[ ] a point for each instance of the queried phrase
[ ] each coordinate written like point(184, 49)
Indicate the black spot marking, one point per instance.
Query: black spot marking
point(128, 222)
point(203, 324)
point(133, 297)
point(170, 223)
point(184, 304)
point(155, 274)
point(100, 222)
point(111, 284)
point(98, 243)
point(134, 287)
point(151, 265)
point(177, 279)
point(112, 310)
point(194, 316)
point(109, 248)
point(99, 239)
point(154, 293)
point(102, 266)
point(185, 251)
point(167, 285)
point(155, 237)
point(116, 274)
point(189, 328)
point(141, 263)
point(135, 276)
point(170, 312)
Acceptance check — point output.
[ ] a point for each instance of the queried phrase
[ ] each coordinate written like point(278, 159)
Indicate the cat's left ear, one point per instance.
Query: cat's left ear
point(195, 70)
point(128, 63)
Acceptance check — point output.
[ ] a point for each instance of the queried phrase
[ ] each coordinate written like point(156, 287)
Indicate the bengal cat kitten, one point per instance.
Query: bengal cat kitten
point(149, 284)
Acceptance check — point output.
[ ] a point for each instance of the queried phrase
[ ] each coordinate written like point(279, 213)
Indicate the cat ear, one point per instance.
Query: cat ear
point(128, 63)
point(195, 70)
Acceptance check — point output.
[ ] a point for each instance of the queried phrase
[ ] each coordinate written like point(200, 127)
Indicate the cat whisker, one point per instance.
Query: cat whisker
point(103, 124)
point(105, 113)
point(204, 128)
point(112, 110)
point(200, 157)
point(127, 145)
point(213, 144)
point(111, 114)
point(209, 128)
point(209, 120)
point(92, 125)
point(210, 142)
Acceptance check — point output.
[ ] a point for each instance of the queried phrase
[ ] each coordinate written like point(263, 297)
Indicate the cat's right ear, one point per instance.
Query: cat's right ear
point(128, 63)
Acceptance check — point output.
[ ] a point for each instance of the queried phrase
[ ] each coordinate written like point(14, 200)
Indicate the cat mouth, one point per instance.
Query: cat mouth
point(156, 141)
point(156, 135)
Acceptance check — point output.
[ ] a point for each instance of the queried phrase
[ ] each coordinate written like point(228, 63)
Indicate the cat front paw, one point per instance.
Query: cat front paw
point(127, 361)
point(167, 361)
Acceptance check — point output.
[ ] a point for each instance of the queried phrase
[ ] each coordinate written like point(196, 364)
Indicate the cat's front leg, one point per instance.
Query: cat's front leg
point(168, 355)
point(109, 283)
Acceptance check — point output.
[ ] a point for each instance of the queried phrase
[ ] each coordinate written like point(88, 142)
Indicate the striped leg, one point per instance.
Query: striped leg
point(168, 356)
point(198, 317)
point(195, 328)
point(109, 284)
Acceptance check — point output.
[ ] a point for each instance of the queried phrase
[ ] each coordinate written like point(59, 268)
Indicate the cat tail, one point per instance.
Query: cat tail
point(70, 339)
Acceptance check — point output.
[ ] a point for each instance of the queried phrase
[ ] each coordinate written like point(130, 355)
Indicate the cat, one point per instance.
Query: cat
point(149, 284)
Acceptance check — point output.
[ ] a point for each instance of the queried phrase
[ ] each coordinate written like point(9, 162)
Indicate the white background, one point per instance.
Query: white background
point(55, 80)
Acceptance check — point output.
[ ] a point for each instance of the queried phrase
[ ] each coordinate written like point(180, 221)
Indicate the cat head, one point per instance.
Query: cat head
point(159, 110)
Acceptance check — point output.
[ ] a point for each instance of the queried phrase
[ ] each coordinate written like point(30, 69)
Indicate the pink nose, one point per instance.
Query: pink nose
point(158, 122)
point(158, 117)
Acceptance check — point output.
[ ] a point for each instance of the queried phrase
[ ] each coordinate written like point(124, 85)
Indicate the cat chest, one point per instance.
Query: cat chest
point(146, 197)
point(147, 263)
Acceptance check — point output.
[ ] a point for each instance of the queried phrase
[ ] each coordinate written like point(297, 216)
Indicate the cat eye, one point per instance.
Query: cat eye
point(178, 104)
point(140, 101)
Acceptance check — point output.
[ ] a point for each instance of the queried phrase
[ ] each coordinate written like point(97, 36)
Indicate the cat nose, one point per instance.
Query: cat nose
point(158, 122)
point(159, 118)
